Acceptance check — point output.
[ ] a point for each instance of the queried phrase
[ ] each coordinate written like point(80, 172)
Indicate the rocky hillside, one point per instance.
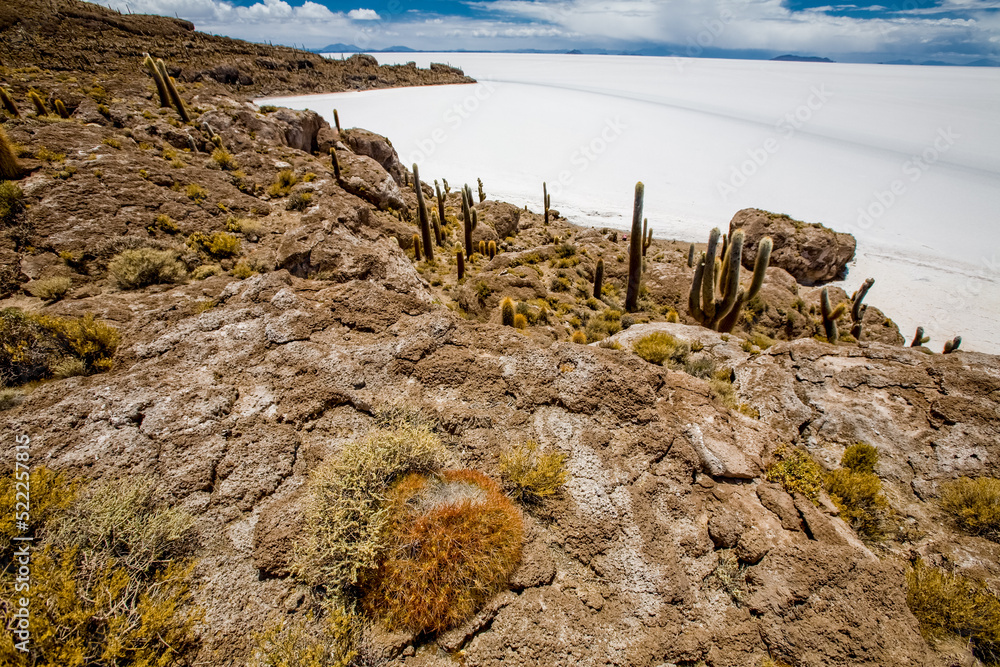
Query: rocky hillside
point(254, 315)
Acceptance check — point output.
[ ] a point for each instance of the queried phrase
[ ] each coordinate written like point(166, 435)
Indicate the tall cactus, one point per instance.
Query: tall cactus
point(507, 312)
point(336, 163)
point(482, 193)
point(830, 316)
point(492, 249)
point(635, 251)
point(336, 120)
point(713, 276)
point(175, 96)
point(425, 225)
point(161, 88)
point(8, 103)
point(440, 201)
point(545, 201)
point(61, 109)
point(467, 220)
point(647, 236)
point(461, 263)
point(952, 345)
point(437, 229)
point(416, 247)
point(691, 256)
point(9, 166)
point(598, 278)
point(36, 99)
point(920, 338)
point(858, 309)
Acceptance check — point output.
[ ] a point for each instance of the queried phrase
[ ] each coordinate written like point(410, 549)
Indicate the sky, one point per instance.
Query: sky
point(955, 31)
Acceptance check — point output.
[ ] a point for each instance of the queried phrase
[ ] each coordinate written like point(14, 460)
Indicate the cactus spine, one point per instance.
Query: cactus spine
point(161, 87)
point(467, 219)
point(482, 193)
point(920, 338)
point(507, 312)
point(336, 163)
point(858, 309)
point(8, 103)
point(175, 96)
point(492, 249)
point(952, 345)
point(9, 167)
point(635, 251)
point(425, 225)
point(713, 275)
point(416, 247)
point(830, 316)
point(598, 278)
point(647, 236)
point(36, 99)
point(336, 120)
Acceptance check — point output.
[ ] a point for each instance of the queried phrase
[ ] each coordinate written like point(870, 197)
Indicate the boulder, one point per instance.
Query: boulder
point(378, 148)
point(809, 251)
point(301, 128)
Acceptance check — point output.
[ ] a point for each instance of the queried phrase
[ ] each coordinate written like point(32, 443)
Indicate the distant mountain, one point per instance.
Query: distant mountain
point(898, 62)
point(802, 59)
point(338, 48)
point(984, 62)
point(574, 52)
point(398, 49)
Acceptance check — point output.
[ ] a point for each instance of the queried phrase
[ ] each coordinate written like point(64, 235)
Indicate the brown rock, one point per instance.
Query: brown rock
point(774, 498)
point(378, 148)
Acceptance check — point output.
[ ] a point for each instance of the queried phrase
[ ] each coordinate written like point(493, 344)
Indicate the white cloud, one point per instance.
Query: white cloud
point(363, 15)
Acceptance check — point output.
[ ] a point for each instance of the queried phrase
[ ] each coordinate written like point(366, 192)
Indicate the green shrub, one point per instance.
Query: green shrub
point(950, 604)
point(50, 289)
point(252, 228)
point(661, 348)
point(859, 497)
point(704, 368)
point(10, 397)
point(268, 108)
point(166, 224)
point(529, 476)
point(134, 269)
point(196, 193)
point(206, 271)
point(453, 540)
point(218, 244)
point(299, 201)
point(610, 345)
point(796, 471)
point(283, 184)
point(34, 344)
point(975, 504)
point(346, 513)
point(860, 457)
point(299, 642)
point(11, 202)
point(224, 159)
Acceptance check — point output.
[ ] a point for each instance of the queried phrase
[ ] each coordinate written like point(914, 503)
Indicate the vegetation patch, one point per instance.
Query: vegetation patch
point(796, 471)
point(662, 349)
point(975, 504)
point(530, 476)
point(218, 244)
point(334, 640)
point(139, 267)
point(50, 289)
point(857, 492)
point(11, 202)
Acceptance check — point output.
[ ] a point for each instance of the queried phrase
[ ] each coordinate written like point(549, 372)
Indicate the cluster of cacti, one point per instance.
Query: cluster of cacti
point(61, 109)
point(546, 201)
point(461, 263)
point(425, 225)
point(598, 279)
point(507, 312)
point(36, 99)
point(9, 167)
point(336, 163)
point(919, 339)
point(336, 120)
point(8, 103)
point(161, 88)
point(713, 276)
point(830, 316)
point(635, 251)
point(952, 345)
point(858, 309)
point(482, 193)
point(416, 247)
point(647, 236)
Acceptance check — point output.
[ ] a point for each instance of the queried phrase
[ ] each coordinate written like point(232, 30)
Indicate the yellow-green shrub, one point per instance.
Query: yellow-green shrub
point(196, 193)
point(975, 504)
point(950, 604)
point(50, 289)
point(219, 244)
point(345, 511)
point(453, 540)
point(224, 159)
point(860, 457)
point(529, 476)
point(859, 497)
point(300, 643)
point(283, 185)
point(139, 267)
point(659, 347)
point(31, 345)
point(11, 201)
point(796, 471)
point(9, 166)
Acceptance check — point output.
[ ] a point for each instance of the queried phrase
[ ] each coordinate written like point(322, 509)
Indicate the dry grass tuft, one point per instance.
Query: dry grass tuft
point(975, 504)
point(662, 349)
point(530, 476)
point(796, 471)
point(137, 268)
point(50, 289)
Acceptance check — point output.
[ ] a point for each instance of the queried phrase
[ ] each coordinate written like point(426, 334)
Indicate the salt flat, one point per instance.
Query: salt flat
point(905, 158)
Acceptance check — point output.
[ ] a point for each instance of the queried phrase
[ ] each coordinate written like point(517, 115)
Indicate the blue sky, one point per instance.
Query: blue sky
point(948, 30)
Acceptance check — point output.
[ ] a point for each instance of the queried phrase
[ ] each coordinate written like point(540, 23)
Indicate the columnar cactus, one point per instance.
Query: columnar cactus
point(507, 312)
point(61, 109)
point(598, 278)
point(482, 193)
point(425, 225)
point(161, 87)
point(545, 201)
point(36, 99)
point(437, 229)
point(830, 316)
point(647, 236)
point(492, 249)
point(9, 167)
point(175, 96)
point(8, 103)
point(440, 201)
point(336, 120)
point(858, 309)
point(482, 248)
point(712, 276)
point(467, 220)
point(461, 263)
point(952, 345)
point(416, 247)
point(635, 251)
point(920, 338)
point(691, 256)
point(336, 163)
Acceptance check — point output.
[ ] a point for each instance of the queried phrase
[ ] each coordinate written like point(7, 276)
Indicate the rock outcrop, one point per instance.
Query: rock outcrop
point(810, 252)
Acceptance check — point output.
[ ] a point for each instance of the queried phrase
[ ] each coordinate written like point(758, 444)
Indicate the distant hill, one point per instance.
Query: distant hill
point(802, 59)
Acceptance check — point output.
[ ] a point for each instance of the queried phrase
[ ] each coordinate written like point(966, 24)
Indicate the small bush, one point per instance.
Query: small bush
point(113, 142)
point(224, 159)
point(11, 202)
point(659, 347)
point(731, 577)
point(299, 643)
point(165, 223)
point(529, 476)
point(860, 457)
point(46, 155)
point(283, 185)
point(610, 345)
point(300, 201)
point(219, 244)
point(206, 271)
point(859, 497)
point(796, 471)
point(579, 338)
point(268, 108)
point(702, 367)
point(252, 228)
point(68, 368)
point(453, 541)
point(50, 289)
point(560, 284)
point(34, 344)
point(950, 604)
point(196, 193)
point(10, 398)
point(134, 269)
point(345, 512)
point(975, 504)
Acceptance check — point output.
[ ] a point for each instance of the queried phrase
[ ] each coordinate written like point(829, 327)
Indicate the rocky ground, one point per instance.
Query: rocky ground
point(667, 547)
